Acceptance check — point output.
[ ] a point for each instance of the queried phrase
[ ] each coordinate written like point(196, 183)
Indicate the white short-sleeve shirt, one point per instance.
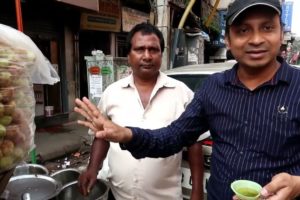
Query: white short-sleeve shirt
point(148, 178)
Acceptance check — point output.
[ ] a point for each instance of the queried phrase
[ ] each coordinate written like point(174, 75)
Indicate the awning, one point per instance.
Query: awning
point(90, 4)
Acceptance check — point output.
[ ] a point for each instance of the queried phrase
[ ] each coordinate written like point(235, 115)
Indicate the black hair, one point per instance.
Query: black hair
point(146, 29)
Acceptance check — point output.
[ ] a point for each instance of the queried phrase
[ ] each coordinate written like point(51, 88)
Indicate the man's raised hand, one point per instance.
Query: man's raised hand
point(102, 127)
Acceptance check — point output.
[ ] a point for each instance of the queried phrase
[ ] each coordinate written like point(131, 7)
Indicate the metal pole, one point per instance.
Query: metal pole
point(19, 15)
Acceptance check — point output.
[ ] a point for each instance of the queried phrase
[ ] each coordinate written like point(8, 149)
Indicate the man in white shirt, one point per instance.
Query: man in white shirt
point(149, 99)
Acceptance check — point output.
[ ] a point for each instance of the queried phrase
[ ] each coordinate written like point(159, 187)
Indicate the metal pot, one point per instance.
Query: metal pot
point(33, 187)
point(98, 192)
point(30, 169)
point(66, 176)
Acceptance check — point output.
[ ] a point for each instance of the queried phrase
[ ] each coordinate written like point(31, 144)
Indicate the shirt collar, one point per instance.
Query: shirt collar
point(162, 81)
point(283, 74)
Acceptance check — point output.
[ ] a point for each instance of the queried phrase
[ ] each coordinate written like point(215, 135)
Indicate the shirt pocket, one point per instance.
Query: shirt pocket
point(285, 124)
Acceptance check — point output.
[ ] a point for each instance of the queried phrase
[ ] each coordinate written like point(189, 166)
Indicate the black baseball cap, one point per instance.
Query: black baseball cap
point(239, 6)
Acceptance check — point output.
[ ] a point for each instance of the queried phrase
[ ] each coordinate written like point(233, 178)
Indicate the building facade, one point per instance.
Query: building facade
point(68, 30)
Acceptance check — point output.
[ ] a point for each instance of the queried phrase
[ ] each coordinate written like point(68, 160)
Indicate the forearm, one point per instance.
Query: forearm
point(151, 143)
point(98, 153)
point(195, 159)
point(168, 140)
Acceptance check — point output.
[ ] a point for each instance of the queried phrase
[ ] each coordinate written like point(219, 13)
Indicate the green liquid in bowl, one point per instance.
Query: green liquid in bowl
point(248, 192)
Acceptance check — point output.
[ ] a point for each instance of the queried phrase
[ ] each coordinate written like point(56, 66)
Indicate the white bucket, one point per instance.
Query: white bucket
point(49, 111)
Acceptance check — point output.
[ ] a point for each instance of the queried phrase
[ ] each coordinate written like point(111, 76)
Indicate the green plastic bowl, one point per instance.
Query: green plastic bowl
point(246, 190)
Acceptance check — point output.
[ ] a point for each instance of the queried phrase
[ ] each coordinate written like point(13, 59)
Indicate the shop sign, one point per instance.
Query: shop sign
point(131, 17)
point(90, 4)
point(107, 19)
point(286, 17)
point(94, 70)
point(100, 22)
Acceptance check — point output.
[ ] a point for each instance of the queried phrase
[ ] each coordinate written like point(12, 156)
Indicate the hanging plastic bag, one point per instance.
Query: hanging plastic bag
point(19, 48)
point(21, 65)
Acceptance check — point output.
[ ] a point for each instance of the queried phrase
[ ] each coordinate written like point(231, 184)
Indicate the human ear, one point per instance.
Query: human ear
point(227, 42)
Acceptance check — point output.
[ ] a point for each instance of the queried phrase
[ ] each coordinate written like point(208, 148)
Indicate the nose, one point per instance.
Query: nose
point(147, 54)
point(256, 38)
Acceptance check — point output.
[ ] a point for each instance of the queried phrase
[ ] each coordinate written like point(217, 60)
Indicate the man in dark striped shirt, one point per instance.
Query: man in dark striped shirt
point(251, 110)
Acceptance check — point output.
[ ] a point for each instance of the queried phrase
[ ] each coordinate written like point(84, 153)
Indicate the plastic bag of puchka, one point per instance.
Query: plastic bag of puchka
point(21, 49)
point(21, 65)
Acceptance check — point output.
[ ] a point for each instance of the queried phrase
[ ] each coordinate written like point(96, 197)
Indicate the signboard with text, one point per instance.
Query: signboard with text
point(286, 16)
point(108, 18)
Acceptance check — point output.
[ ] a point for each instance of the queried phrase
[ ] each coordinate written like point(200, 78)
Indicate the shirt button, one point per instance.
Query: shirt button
point(135, 180)
point(246, 122)
point(241, 152)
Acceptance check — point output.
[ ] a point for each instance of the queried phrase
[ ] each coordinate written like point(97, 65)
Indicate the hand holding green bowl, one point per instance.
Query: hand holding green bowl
point(246, 190)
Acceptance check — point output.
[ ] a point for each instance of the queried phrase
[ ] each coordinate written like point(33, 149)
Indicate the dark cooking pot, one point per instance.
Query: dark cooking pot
point(99, 192)
point(66, 176)
point(33, 187)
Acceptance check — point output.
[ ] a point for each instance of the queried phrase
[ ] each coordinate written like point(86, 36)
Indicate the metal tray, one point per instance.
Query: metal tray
point(26, 169)
point(37, 187)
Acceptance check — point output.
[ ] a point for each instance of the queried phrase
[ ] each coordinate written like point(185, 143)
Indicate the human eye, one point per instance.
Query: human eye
point(139, 50)
point(154, 50)
point(268, 28)
point(243, 30)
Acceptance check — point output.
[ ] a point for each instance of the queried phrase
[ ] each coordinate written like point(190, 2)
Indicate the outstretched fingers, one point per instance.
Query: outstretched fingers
point(83, 109)
point(94, 118)
point(87, 124)
point(92, 109)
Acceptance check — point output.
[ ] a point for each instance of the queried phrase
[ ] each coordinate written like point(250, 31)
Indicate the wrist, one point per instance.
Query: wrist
point(93, 169)
point(127, 136)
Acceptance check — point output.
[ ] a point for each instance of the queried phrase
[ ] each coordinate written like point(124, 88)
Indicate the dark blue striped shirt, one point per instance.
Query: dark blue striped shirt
point(256, 133)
